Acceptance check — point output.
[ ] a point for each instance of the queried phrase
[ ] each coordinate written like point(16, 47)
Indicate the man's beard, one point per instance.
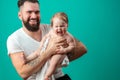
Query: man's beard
point(32, 28)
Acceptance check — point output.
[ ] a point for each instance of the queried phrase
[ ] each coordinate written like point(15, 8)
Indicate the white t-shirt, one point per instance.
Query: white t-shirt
point(19, 41)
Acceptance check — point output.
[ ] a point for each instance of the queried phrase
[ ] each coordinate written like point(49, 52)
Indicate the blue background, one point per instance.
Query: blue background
point(96, 23)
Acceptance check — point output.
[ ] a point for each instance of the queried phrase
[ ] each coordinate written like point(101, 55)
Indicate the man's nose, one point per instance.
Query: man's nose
point(33, 15)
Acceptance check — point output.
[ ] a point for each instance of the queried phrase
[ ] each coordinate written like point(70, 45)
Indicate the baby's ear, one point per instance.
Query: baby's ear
point(66, 24)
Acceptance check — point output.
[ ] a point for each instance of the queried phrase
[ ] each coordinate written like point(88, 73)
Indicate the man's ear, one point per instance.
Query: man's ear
point(20, 15)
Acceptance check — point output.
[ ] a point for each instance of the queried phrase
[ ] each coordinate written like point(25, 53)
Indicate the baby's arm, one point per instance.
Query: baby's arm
point(71, 45)
point(31, 56)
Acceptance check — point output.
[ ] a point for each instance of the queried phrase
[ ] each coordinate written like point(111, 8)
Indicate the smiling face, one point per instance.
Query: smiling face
point(59, 26)
point(30, 16)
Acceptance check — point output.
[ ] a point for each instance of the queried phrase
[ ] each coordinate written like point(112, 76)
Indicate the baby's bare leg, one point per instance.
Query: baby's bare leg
point(54, 62)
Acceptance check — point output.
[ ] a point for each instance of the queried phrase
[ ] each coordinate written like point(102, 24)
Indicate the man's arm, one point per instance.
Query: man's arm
point(25, 68)
point(78, 51)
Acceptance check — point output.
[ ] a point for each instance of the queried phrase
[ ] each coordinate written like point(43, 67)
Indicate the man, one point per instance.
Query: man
point(26, 40)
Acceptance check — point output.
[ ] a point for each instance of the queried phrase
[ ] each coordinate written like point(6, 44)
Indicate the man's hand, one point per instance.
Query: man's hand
point(61, 50)
point(54, 43)
point(78, 51)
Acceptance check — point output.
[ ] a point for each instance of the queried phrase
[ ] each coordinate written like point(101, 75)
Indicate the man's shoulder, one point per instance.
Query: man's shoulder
point(15, 33)
point(45, 27)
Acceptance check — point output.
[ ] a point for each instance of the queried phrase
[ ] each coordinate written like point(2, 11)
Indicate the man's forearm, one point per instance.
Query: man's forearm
point(37, 63)
point(78, 51)
point(27, 68)
point(32, 67)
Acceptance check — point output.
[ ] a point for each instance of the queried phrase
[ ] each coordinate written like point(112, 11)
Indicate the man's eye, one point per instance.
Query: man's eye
point(29, 12)
point(37, 12)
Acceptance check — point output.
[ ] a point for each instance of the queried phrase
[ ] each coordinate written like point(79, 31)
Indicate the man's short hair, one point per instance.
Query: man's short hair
point(21, 2)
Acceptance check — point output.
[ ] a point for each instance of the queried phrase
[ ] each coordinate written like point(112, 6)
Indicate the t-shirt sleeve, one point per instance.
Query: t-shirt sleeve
point(45, 28)
point(13, 46)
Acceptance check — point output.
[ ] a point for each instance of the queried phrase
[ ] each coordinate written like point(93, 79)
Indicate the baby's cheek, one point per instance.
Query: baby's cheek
point(64, 30)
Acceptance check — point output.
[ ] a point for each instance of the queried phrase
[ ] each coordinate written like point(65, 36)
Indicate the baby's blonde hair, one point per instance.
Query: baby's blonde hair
point(60, 15)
